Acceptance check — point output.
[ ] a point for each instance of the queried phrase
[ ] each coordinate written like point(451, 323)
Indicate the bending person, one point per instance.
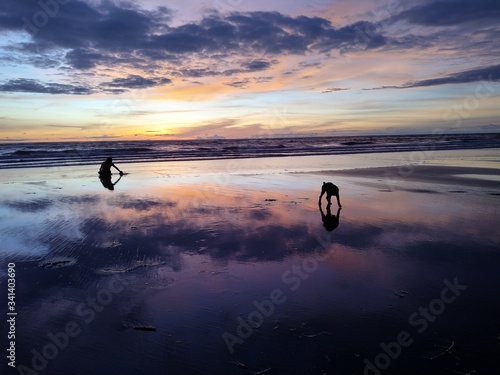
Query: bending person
point(105, 169)
point(331, 190)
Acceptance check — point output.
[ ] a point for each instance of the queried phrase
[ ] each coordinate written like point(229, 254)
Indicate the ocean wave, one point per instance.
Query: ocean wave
point(130, 149)
point(93, 153)
point(356, 143)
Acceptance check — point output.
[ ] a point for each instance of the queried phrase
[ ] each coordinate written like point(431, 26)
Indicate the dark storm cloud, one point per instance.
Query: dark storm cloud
point(489, 74)
point(86, 36)
point(83, 59)
point(34, 86)
point(254, 32)
point(451, 12)
point(91, 35)
point(77, 24)
point(90, 32)
point(104, 35)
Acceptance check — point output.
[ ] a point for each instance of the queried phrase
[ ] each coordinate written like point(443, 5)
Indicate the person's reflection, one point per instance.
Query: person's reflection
point(330, 222)
point(107, 183)
point(105, 174)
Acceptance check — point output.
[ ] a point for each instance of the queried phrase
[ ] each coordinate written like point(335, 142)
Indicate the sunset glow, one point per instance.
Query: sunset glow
point(87, 70)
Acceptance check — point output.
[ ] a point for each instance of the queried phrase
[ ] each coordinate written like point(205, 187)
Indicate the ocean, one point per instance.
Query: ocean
point(28, 155)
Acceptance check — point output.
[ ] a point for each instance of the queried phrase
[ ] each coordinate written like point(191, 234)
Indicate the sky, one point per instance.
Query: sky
point(184, 69)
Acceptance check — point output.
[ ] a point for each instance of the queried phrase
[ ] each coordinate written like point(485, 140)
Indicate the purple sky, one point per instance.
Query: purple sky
point(76, 69)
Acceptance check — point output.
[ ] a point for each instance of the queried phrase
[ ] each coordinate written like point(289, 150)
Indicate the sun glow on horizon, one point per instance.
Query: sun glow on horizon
point(242, 70)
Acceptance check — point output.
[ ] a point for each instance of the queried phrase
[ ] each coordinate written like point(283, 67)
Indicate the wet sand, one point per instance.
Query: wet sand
point(231, 267)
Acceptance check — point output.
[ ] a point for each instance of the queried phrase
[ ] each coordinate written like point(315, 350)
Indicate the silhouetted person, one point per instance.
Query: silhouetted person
point(330, 222)
point(105, 169)
point(330, 190)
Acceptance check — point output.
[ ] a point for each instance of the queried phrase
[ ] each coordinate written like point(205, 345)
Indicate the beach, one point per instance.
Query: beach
point(232, 267)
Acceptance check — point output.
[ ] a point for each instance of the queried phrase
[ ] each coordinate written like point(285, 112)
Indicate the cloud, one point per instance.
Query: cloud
point(263, 79)
point(212, 137)
point(257, 65)
point(116, 86)
point(451, 12)
point(145, 44)
point(83, 59)
point(333, 89)
point(492, 127)
point(137, 82)
point(238, 83)
point(215, 127)
point(34, 86)
point(66, 126)
point(490, 74)
point(245, 67)
point(95, 36)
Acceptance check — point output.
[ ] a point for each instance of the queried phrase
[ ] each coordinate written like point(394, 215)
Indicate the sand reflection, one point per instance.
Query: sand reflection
point(194, 255)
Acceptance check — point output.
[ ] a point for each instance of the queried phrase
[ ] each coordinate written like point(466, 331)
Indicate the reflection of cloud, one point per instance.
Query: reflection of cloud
point(191, 269)
point(200, 219)
point(83, 199)
point(29, 206)
point(143, 204)
point(350, 235)
point(35, 227)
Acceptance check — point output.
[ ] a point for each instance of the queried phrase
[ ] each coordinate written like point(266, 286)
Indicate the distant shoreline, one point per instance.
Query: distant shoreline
point(218, 139)
point(31, 155)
